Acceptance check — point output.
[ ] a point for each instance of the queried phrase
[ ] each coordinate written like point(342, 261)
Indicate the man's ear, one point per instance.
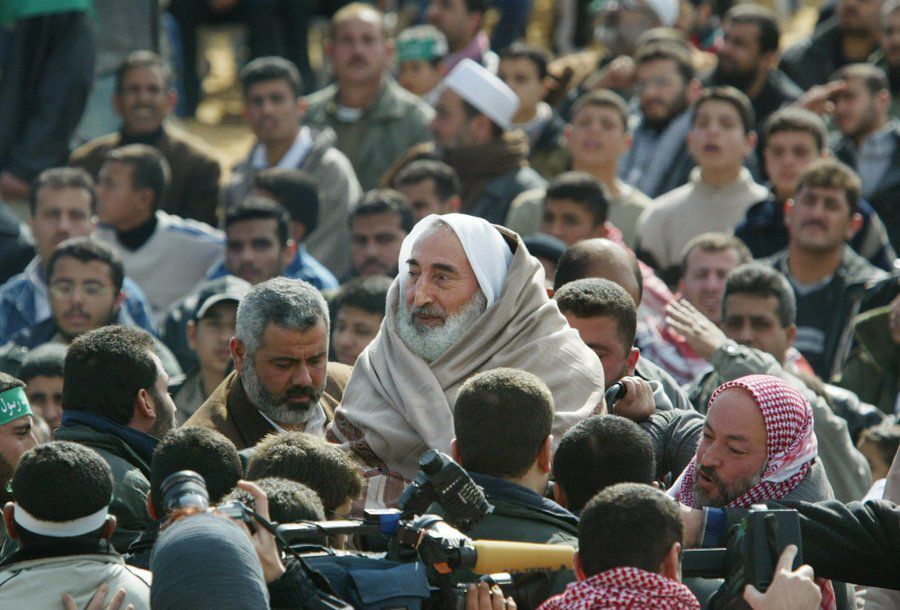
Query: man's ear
point(545, 455)
point(454, 452)
point(9, 520)
point(602, 229)
point(288, 254)
point(109, 527)
point(791, 334)
point(120, 298)
point(301, 107)
point(671, 564)
point(631, 362)
point(788, 211)
point(578, 567)
point(150, 510)
point(238, 354)
point(750, 142)
point(453, 204)
point(192, 334)
point(559, 494)
point(856, 223)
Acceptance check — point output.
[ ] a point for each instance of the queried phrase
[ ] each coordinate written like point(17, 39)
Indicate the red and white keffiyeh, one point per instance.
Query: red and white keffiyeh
point(791, 448)
point(790, 442)
point(624, 589)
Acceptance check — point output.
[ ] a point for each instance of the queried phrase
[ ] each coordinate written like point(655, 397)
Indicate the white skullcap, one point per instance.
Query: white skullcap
point(484, 90)
point(484, 247)
point(666, 11)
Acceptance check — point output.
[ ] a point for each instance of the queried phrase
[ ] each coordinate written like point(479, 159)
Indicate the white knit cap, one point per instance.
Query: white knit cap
point(484, 90)
point(666, 10)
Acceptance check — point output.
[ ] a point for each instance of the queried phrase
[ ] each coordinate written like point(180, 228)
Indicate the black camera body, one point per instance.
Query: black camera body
point(753, 548)
point(457, 597)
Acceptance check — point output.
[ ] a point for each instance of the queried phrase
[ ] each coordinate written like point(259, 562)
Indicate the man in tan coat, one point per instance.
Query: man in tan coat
point(469, 298)
point(282, 378)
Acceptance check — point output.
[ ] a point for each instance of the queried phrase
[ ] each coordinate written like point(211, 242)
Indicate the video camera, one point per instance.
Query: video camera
point(752, 550)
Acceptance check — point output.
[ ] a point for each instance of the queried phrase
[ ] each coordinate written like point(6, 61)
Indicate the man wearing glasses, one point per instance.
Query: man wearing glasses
point(85, 279)
point(62, 202)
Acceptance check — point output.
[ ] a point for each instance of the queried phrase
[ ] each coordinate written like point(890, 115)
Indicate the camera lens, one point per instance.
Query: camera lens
point(184, 489)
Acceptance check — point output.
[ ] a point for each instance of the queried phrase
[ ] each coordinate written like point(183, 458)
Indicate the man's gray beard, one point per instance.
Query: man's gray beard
point(275, 408)
point(431, 343)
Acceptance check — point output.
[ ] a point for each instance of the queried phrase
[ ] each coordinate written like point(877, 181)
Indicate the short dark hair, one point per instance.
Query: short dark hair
point(603, 98)
point(871, 75)
point(368, 293)
point(383, 201)
point(105, 369)
point(269, 68)
point(86, 250)
point(149, 168)
point(142, 59)
point(664, 50)
point(832, 174)
point(289, 501)
point(260, 208)
point(47, 360)
point(8, 382)
point(61, 178)
point(310, 460)
point(763, 281)
point(583, 189)
point(732, 97)
point(294, 189)
point(477, 6)
point(796, 119)
point(446, 182)
point(533, 53)
point(715, 242)
point(578, 258)
point(203, 450)
point(594, 297)
point(628, 525)
point(62, 481)
point(501, 418)
point(601, 451)
point(766, 22)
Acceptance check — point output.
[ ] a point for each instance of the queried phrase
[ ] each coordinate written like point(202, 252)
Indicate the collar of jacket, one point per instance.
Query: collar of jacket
point(61, 547)
point(386, 106)
point(502, 491)
point(142, 444)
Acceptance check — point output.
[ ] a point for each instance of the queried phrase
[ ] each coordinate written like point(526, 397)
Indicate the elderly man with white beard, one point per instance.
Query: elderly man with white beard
point(468, 298)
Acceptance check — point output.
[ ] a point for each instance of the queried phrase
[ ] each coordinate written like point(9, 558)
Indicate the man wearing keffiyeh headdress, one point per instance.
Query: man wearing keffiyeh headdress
point(758, 444)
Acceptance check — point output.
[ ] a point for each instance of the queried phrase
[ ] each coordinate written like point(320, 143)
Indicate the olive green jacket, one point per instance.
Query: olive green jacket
point(873, 366)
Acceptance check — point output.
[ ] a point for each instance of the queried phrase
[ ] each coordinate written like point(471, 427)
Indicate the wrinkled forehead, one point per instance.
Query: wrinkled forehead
point(437, 244)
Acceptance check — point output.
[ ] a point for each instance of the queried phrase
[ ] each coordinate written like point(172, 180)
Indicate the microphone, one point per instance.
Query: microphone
point(494, 556)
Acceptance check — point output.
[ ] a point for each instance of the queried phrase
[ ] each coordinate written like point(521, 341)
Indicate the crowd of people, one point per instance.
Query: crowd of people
point(446, 237)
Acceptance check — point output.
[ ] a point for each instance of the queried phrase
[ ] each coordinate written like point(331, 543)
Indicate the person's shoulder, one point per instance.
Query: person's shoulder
point(193, 230)
point(94, 148)
point(407, 101)
point(190, 145)
point(337, 378)
point(317, 102)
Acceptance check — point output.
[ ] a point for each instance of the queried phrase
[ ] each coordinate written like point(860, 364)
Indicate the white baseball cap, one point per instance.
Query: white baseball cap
point(484, 90)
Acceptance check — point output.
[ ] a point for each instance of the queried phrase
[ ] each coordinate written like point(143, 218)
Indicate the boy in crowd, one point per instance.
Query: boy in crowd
point(720, 190)
point(420, 50)
point(524, 68)
point(795, 138)
point(358, 311)
point(42, 373)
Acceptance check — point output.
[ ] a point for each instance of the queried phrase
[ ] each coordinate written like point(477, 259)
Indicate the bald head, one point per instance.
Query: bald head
point(604, 259)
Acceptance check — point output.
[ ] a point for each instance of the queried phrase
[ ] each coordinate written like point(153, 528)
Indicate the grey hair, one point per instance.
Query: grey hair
point(291, 304)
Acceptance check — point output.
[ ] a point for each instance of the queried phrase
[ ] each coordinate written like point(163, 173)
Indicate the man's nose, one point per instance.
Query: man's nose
point(709, 458)
point(301, 375)
point(422, 293)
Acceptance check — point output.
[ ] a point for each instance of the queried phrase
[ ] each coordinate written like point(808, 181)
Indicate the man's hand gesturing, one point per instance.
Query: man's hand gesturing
point(702, 335)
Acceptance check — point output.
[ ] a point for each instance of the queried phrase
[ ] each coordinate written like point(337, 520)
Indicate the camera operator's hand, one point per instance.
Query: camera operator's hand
point(692, 522)
point(702, 335)
point(790, 589)
point(263, 541)
point(98, 600)
point(637, 404)
point(482, 597)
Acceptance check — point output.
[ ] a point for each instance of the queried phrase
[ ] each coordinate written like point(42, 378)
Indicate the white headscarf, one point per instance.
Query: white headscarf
point(484, 247)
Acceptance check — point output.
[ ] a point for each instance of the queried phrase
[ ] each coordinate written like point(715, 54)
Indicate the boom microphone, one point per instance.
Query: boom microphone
point(494, 556)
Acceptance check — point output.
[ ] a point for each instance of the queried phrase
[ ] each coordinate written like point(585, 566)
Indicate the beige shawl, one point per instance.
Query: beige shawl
point(397, 406)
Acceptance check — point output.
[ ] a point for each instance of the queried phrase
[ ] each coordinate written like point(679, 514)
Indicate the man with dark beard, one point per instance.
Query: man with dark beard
point(748, 60)
point(658, 160)
point(282, 378)
point(468, 298)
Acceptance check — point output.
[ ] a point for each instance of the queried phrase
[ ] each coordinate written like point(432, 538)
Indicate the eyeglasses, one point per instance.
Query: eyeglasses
point(64, 290)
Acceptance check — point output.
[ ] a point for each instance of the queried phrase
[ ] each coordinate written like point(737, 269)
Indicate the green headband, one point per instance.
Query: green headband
point(423, 49)
point(13, 405)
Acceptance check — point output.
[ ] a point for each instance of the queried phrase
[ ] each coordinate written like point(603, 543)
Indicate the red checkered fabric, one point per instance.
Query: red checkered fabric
point(790, 446)
point(790, 441)
point(624, 589)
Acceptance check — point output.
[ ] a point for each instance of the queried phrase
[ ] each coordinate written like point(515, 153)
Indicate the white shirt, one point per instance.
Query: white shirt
point(292, 158)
